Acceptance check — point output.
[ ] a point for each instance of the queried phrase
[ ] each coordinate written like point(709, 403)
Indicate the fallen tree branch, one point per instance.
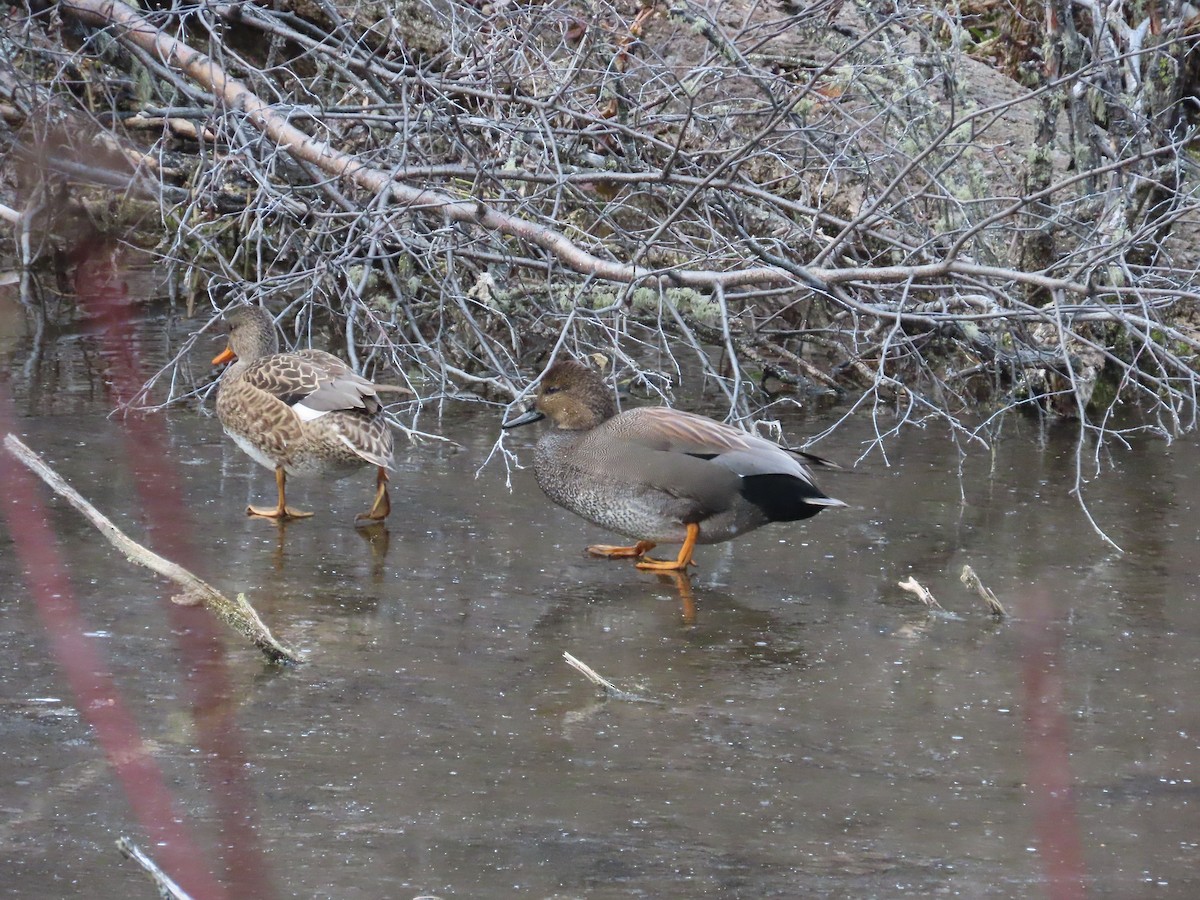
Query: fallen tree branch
point(172, 52)
point(141, 33)
point(238, 614)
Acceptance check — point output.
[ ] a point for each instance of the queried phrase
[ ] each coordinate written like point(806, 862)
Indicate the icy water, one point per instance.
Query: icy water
point(810, 731)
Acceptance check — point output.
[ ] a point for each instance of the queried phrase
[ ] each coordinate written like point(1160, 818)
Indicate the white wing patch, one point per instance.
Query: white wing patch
point(307, 413)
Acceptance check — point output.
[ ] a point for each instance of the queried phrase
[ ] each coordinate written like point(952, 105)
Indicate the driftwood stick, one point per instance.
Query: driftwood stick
point(238, 614)
point(166, 887)
point(971, 580)
point(597, 679)
point(918, 590)
point(590, 674)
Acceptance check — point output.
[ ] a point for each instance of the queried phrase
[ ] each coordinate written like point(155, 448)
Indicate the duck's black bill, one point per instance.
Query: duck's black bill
point(530, 415)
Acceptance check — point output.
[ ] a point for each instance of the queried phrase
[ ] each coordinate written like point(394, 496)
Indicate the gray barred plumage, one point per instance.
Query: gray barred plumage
point(660, 475)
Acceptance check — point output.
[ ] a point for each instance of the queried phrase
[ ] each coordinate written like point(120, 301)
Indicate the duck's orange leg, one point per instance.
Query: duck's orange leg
point(282, 511)
point(678, 564)
point(383, 505)
point(611, 551)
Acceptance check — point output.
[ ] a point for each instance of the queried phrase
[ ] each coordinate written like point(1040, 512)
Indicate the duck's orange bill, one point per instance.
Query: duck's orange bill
point(223, 357)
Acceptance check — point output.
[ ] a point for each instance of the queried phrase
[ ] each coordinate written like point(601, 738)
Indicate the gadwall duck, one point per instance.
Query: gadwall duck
point(659, 475)
point(305, 413)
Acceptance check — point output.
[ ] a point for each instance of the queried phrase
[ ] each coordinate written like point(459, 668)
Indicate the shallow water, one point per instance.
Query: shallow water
point(810, 731)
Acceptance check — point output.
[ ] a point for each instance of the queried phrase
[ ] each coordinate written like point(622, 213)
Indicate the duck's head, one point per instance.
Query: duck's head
point(572, 396)
point(251, 335)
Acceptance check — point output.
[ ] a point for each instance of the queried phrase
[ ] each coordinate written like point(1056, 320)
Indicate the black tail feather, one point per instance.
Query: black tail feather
point(782, 498)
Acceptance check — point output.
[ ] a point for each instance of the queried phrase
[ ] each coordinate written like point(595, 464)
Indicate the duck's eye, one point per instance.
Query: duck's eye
point(551, 389)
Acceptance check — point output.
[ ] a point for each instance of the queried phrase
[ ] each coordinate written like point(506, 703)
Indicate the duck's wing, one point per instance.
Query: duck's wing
point(312, 383)
point(676, 431)
point(700, 457)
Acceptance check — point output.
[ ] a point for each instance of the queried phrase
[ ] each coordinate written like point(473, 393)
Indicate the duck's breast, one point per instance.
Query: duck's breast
point(251, 449)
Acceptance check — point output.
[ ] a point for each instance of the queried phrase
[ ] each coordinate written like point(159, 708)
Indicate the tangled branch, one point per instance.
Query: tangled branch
point(789, 202)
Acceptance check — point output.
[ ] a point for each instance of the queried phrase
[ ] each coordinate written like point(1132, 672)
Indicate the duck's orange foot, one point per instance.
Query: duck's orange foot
point(681, 562)
point(610, 551)
point(279, 513)
point(648, 564)
point(383, 504)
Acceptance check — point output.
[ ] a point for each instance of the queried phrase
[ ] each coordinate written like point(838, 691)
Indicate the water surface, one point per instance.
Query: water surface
point(810, 731)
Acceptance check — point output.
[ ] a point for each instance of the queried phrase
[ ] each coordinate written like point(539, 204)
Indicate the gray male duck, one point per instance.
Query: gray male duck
point(659, 475)
point(305, 413)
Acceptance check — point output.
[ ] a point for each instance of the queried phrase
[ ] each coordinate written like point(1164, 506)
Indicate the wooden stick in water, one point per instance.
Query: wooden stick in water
point(914, 587)
point(166, 887)
point(971, 580)
point(238, 614)
point(597, 679)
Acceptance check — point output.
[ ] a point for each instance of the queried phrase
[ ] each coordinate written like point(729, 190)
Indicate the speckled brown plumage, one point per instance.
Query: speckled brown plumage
point(304, 413)
point(661, 475)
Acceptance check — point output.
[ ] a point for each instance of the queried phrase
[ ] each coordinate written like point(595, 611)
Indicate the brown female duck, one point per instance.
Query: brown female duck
point(659, 475)
point(305, 413)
